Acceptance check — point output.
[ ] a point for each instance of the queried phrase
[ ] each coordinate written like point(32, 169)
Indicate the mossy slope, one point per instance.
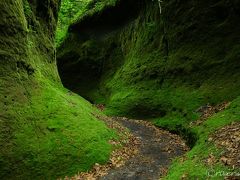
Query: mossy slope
point(160, 67)
point(195, 164)
point(45, 130)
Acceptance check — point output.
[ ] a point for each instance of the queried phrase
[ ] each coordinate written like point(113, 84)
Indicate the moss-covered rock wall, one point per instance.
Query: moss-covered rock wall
point(46, 131)
point(146, 64)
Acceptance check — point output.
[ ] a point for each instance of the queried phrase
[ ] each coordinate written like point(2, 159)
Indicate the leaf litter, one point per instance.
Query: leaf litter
point(228, 139)
point(142, 152)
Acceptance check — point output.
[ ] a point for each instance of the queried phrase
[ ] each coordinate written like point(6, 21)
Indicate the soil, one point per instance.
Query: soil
point(156, 151)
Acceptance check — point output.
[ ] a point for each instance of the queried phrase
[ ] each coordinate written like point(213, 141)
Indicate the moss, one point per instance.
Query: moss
point(194, 165)
point(46, 132)
point(27, 8)
point(72, 12)
point(69, 11)
point(55, 134)
point(147, 57)
point(94, 7)
point(160, 67)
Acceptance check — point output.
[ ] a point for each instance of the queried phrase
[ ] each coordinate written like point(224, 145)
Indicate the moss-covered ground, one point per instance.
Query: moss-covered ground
point(55, 134)
point(195, 164)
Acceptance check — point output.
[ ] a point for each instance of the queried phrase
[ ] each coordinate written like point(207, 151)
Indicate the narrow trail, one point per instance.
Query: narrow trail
point(156, 151)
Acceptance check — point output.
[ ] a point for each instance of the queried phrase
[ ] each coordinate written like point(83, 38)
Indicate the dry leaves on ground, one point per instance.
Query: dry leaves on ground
point(129, 147)
point(159, 132)
point(208, 111)
point(228, 138)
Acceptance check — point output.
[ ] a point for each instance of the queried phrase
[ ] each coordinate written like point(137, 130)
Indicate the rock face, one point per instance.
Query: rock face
point(147, 64)
point(44, 129)
point(21, 25)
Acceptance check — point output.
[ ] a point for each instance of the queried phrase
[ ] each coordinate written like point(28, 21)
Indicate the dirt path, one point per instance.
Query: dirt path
point(156, 151)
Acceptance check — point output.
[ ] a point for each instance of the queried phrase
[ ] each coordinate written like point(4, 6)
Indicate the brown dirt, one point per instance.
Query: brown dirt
point(156, 151)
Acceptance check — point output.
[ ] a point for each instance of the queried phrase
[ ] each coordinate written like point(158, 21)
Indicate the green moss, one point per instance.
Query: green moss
point(140, 70)
point(27, 8)
point(161, 68)
point(46, 131)
point(55, 134)
point(100, 5)
point(194, 165)
point(69, 11)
